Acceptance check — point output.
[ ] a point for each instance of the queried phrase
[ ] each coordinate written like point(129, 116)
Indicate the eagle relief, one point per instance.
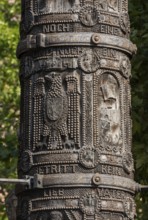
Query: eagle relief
point(54, 95)
point(55, 114)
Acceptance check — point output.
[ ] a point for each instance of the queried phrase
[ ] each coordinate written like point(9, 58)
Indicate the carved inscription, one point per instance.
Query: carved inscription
point(54, 63)
point(69, 51)
point(53, 192)
point(111, 170)
point(61, 52)
point(103, 27)
point(112, 194)
point(52, 169)
point(51, 28)
point(106, 29)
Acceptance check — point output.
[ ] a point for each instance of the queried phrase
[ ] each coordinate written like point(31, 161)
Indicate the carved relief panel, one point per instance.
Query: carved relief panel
point(76, 111)
point(55, 107)
point(109, 126)
point(107, 17)
point(75, 127)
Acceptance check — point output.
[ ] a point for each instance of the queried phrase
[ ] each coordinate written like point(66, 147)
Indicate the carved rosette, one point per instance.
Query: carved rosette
point(75, 127)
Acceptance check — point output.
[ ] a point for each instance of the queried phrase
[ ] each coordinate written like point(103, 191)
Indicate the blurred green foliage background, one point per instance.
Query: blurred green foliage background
point(10, 94)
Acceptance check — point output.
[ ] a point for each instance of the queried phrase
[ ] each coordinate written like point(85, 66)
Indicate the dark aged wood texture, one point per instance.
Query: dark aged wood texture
point(75, 126)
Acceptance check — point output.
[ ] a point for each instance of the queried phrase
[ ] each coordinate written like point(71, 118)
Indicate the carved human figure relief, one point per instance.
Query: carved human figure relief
point(109, 111)
point(56, 5)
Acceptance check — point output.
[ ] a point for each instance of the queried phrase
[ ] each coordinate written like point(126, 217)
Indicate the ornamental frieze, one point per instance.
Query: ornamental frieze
point(109, 16)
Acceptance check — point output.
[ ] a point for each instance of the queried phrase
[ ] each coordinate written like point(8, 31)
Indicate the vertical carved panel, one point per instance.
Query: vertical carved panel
point(27, 113)
point(73, 109)
point(38, 98)
point(109, 116)
point(88, 115)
